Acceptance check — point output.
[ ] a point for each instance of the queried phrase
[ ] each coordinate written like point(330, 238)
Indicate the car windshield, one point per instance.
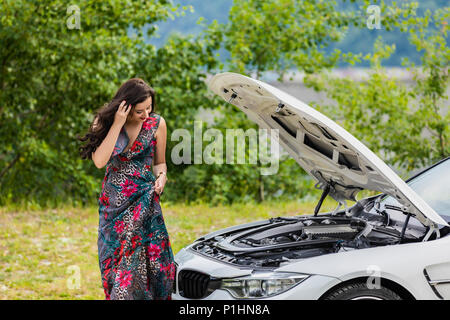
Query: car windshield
point(433, 187)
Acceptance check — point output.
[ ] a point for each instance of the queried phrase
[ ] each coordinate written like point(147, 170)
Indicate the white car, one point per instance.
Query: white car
point(395, 245)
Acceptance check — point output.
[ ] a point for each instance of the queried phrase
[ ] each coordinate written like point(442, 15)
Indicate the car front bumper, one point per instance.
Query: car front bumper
point(311, 288)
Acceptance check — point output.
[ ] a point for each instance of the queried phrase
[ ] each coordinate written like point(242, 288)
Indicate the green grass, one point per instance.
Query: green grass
point(41, 251)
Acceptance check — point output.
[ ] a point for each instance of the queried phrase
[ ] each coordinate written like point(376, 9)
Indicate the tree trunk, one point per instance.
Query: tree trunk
point(9, 166)
point(261, 188)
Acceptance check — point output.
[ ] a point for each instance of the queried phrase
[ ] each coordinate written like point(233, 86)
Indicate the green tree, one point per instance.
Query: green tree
point(58, 64)
point(406, 125)
point(277, 35)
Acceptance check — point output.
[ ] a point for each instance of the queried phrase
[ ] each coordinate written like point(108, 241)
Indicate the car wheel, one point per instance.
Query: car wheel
point(360, 291)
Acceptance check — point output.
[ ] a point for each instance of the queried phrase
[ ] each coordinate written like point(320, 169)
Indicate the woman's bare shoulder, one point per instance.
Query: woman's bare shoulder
point(161, 131)
point(162, 121)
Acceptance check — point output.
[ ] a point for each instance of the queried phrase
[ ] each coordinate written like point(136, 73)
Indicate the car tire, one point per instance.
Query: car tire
point(360, 291)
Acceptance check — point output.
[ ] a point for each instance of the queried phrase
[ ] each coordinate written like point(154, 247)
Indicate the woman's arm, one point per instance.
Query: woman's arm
point(105, 149)
point(103, 152)
point(159, 159)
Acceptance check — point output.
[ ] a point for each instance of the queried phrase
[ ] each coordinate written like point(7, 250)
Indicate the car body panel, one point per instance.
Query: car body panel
point(311, 288)
point(326, 151)
point(213, 268)
point(384, 262)
point(403, 264)
point(328, 271)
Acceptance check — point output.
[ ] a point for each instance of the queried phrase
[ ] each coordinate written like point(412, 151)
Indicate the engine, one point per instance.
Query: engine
point(284, 240)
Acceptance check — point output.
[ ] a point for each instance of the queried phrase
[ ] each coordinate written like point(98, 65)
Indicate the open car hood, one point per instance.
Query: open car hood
point(326, 151)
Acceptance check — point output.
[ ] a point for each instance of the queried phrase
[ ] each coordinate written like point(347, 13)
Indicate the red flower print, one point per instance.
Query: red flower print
point(104, 200)
point(153, 142)
point(154, 251)
point(136, 174)
point(149, 123)
point(123, 158)
point(172, 271)
point(137, 212)
point(169, 270)
point(136, 241)
point(165, 243)
point(128, 188)
point(146, 125)
point(104, 179)
point(119, 254)
point(119, 226)
point(105, 290)
point(137, 146)
point(106, 263)
point(124, 278)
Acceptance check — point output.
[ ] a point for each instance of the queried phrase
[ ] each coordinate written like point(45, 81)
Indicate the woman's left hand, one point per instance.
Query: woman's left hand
point(160, 183)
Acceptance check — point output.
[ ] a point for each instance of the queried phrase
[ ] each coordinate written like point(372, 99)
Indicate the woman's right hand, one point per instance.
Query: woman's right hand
point(122, 113)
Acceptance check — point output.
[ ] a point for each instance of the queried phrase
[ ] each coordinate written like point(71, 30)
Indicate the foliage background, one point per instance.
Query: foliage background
point(53, 78)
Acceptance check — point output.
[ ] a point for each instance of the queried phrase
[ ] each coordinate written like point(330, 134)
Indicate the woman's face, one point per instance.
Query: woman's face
point(141, 111)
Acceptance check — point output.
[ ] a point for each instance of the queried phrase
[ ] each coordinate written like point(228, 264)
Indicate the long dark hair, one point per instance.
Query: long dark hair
point(133, 91)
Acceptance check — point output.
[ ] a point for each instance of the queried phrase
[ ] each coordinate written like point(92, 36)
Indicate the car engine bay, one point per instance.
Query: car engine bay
point(283, 240)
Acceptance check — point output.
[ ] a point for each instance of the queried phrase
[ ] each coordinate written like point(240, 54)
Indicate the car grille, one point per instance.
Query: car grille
point(193, 284)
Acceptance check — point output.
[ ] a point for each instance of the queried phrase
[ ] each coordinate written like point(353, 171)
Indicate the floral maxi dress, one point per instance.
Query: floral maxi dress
point(135, 256)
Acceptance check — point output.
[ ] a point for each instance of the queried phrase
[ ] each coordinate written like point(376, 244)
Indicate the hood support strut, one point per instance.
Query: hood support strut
point(325, 192)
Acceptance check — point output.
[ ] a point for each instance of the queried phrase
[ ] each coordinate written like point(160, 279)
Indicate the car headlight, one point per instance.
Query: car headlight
point(261, 284)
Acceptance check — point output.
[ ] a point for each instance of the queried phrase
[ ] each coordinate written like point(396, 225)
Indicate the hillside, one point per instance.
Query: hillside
point(356, 40)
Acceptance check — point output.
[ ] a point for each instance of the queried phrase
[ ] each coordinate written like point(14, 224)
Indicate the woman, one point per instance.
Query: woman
point(135, 256)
